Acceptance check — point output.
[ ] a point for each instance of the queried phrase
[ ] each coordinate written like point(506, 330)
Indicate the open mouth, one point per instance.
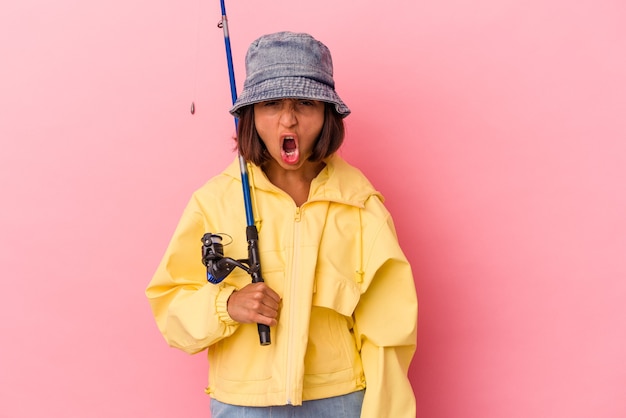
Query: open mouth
point(290, 152)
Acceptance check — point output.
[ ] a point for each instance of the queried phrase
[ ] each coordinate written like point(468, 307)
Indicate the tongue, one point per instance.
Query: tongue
point(289, 145)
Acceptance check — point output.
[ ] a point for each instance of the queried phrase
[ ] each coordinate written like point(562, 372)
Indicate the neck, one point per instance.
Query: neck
point(296, 183)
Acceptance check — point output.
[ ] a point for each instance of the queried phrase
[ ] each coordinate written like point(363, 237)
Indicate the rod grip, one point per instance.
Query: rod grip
point(264, 334)
point(252, 236)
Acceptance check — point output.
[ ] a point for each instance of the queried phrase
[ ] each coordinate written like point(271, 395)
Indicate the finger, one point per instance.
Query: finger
point(267, 291)
point(273, 295)
point(263, 292)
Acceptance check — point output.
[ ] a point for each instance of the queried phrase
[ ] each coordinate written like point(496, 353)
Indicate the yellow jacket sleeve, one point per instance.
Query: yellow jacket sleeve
point(190, 312)
point(386, 329)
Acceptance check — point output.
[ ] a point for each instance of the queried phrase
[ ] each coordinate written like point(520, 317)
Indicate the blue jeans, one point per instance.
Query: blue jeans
point(345, 406)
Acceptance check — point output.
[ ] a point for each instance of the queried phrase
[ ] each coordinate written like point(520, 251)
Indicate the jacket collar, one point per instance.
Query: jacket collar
point(337, 182)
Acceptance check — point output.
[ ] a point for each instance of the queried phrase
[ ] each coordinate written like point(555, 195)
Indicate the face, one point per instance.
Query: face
point(289, 129)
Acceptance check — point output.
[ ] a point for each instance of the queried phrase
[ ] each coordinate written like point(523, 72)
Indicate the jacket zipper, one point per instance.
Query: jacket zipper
point(292, 306)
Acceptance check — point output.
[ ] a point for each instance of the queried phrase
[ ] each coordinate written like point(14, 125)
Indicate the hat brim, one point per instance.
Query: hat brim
point(289, 87)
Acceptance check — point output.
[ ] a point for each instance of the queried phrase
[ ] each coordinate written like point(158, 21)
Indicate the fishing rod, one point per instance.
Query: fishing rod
point(218, 266)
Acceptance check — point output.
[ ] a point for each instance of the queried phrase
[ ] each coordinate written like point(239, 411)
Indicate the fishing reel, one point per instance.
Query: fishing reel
point(218, 266)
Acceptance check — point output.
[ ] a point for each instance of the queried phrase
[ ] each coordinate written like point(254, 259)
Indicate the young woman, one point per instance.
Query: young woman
point(338, 294)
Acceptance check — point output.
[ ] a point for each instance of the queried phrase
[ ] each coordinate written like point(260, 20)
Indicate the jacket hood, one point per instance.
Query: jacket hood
point(337, 182)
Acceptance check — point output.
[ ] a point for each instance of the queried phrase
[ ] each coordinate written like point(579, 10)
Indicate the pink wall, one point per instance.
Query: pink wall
point(496, 130)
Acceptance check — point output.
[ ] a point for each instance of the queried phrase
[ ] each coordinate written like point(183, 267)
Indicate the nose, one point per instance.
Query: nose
point(288, 113)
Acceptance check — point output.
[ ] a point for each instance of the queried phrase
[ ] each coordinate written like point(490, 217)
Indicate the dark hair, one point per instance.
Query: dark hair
point(252, 149)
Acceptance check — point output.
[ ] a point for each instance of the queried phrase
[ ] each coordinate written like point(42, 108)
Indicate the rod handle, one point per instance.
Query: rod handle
point(252, 235)
point(264, 334)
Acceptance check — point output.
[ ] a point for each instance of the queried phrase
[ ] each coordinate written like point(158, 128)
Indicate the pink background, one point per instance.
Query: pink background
point(496, 129)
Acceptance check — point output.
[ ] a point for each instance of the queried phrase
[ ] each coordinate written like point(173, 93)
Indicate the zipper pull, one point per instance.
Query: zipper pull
point(297, 215)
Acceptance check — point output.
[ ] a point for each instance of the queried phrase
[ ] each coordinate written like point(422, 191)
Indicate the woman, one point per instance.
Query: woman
point(338, 294)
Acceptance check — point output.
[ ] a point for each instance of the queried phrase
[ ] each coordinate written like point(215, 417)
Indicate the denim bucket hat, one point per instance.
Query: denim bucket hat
point(288, 65)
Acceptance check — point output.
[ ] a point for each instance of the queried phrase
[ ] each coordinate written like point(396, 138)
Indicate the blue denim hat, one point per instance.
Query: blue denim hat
point(288, 65)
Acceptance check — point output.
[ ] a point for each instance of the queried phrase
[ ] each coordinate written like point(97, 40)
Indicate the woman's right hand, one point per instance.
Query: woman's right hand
point(255, 303)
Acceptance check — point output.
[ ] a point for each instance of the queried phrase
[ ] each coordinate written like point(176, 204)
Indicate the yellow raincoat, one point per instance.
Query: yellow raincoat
point(348, 318)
